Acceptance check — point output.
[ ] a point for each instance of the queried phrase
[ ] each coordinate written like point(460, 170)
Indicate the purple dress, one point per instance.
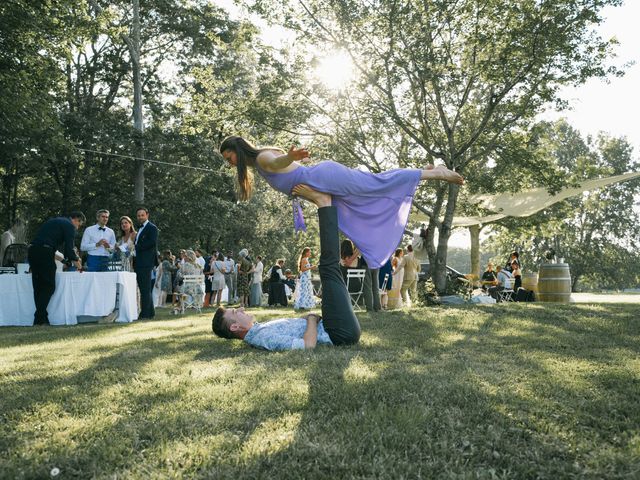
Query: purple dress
point(373, 208)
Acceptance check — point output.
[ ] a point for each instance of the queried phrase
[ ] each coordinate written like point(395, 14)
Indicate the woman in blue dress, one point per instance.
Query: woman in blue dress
point(373, 208)
point(305, 300)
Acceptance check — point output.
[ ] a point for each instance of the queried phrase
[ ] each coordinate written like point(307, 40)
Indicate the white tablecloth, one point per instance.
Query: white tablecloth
point(76, 294)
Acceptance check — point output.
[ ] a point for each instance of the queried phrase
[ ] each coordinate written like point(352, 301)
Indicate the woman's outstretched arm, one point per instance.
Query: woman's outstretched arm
point(271, 160)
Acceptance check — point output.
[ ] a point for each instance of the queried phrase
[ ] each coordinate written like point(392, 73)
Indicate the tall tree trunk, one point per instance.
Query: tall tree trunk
point(440, 270)
point(474, 231)
point(138, 124)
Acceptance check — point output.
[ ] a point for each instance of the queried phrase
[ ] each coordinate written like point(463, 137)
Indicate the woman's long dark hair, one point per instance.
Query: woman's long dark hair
point(246, 155)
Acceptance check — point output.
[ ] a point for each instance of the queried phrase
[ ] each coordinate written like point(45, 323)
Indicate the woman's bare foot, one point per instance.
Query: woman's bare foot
point(442, 173)
point(319, 198)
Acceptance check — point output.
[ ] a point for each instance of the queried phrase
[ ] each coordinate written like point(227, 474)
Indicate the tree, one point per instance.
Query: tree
point(451, 79)
point(597, 233)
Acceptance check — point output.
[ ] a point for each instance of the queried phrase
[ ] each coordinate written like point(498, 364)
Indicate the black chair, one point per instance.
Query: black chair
point(14, 254)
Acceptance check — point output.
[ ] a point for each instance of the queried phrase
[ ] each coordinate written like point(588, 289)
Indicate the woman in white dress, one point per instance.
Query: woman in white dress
point(395, 299)
point(217, 281)
point(304, 295)
point(126, 244)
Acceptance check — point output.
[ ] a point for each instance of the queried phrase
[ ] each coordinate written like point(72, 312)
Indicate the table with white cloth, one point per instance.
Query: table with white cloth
point(77, 294)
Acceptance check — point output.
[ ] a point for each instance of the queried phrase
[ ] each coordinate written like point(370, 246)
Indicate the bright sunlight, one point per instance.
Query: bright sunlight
point(335, 71)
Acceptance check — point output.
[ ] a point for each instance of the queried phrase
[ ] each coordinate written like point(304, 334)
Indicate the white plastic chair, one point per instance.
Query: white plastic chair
point(356, 274)
point(191, 301)
point(506, 294)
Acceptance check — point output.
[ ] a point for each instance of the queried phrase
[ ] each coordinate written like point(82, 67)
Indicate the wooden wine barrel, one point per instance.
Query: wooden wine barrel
point(530, 281)
point(554, 283)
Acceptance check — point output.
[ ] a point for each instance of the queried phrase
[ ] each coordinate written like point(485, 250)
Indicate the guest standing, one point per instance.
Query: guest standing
point(305, 300)
point(397, 262)
point(229, 273)
point(514, 257)
point(218, 280)
point(255, 296)
point(49, 238)
point(98, 241)
point(163, 276)
point(277, 293)
point(208, 260)
point(410, 281)
point(517, 275)
point(146, 244)
point(244, 268)
point(200, 259)
point(126, 244)
point(370, 289)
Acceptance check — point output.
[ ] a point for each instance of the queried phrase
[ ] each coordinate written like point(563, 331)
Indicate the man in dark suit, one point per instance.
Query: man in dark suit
point(51, 235)
point(146, 259)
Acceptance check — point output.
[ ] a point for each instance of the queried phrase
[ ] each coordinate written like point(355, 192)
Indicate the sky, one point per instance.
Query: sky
point(613, 106)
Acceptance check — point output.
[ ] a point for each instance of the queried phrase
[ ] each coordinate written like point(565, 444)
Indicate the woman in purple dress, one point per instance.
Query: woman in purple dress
point(373, 208)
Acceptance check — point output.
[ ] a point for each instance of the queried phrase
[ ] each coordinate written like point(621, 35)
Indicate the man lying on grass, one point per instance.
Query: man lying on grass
point(338, 324)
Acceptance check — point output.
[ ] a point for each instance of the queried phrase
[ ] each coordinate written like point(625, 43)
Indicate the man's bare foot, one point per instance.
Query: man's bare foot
point(442, 173)
point(319, 198)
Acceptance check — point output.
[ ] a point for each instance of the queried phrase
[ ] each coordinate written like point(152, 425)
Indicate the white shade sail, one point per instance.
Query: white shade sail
point(528, 202)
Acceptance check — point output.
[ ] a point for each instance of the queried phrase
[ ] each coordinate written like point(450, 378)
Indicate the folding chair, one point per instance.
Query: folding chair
point(383, 287)
point(186, 300)
point(506, 294)
point(356, 274)
point(15, 253)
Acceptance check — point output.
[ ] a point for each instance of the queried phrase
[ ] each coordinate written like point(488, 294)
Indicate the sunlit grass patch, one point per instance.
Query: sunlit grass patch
point(500, 391)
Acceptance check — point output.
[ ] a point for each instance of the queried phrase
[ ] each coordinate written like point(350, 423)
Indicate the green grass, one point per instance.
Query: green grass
point(496, 391)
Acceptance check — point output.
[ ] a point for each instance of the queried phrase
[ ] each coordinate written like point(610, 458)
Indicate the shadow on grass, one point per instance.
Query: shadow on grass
point(466, 392)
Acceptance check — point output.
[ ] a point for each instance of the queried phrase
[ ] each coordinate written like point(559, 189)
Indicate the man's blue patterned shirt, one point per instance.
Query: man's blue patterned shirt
point(283, 334)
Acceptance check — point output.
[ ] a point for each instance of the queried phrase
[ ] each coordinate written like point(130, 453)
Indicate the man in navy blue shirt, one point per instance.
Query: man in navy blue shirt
point(146, 259)
point(51, 235)
point(338, 324)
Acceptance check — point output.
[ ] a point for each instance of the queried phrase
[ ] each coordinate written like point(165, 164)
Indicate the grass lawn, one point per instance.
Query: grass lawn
point(493, 391)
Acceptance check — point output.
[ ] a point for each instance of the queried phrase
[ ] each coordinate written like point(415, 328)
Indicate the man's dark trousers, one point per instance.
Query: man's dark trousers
point(43, 278)
point(143, 275)
point(337, 313)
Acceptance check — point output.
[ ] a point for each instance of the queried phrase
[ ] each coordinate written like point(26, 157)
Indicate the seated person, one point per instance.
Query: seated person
point(489, 278)
point(289, 281)
point(349, 258)
point(501, 276)
point(338, 324)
